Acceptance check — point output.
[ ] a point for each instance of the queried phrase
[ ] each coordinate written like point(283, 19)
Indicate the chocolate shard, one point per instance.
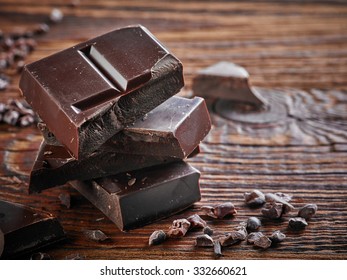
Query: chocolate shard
point(87, 93)
point(166, 190)
point(175, 128)
point(25, 230)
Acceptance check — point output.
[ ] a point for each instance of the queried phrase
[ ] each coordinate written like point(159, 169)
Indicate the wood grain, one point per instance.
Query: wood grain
point(296, 54)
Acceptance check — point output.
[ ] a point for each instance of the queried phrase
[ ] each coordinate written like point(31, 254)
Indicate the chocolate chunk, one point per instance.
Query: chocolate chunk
point(157, 237)
point(89, 92)
point(226, 80)
point(168, 189)
point(175, 128)
point(25, 230)
point(54, 166)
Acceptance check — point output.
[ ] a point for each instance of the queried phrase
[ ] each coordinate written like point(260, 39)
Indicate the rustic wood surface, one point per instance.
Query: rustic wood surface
point(295, 52)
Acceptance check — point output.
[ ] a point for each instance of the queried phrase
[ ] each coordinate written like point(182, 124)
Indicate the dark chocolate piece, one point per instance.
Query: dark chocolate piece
point(89, 92)
point(25, 230)
point(54, 166)
point(227, 81)
point(158, 192)
point(175, 128)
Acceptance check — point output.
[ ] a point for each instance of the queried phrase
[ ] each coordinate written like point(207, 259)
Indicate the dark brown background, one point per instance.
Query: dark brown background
point(283, 44)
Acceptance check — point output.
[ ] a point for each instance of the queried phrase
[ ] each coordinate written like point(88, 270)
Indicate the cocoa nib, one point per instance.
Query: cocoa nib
point(277, 236)
point(219, 211)
point(233, 237)
point(253, 236)
point(253, 224)
point(263, 242)
point(308, 211)
point(217, 249)
point(287, 207)
point(297, 223)
point(204, 240)
point(255, 198)
point(179, 228)
point(273, 210)
point(96, 235)
point(207, 230)
point(157, 237)
point(196, 222)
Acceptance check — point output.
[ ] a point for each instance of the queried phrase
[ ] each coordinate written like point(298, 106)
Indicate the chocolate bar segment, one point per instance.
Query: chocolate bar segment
point(143, 196)
point(54, 166)
point(173, 129)
point(89, 92)
point(25, 230)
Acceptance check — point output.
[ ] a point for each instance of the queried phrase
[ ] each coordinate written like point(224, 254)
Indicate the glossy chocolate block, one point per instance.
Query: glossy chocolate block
point(54, 166)
point(25, 229)
point(140, 197)
point(173, 129)
point(89, 92)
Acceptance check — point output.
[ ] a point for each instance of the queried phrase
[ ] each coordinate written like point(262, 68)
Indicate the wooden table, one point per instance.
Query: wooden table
point(283, 45)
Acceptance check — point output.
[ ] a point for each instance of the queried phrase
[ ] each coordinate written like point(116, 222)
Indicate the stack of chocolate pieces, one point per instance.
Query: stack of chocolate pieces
point(113, 128)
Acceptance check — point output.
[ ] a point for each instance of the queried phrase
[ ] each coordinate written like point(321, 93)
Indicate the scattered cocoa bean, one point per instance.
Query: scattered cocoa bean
point(204, 240)
point(255, 198)
point(196, 222)
point(157, 237)
point(179, 228)
point(308, 211)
